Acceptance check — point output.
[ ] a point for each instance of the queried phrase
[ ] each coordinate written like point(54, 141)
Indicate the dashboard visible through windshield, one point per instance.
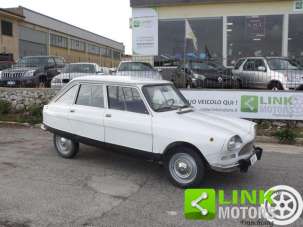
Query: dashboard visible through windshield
point(164, 97)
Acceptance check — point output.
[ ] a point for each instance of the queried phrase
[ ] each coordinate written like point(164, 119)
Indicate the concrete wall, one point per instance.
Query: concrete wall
point(23, 98)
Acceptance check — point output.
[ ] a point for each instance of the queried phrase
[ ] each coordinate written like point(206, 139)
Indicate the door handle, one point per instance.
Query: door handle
point(72, 111)
point(108, 115)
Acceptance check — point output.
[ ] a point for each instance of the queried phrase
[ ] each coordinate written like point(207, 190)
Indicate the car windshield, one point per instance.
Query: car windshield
point(135, 66)
point(33, 62)
point(164, 97)
point(79, 68)
point(282, 64)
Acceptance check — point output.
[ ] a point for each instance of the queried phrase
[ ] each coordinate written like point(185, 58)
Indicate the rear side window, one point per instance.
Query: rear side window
point(69, 96)
point(91, 95)
point(125, 98)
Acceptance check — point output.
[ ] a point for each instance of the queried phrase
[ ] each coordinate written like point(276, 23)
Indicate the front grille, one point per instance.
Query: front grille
point(12, 75)
point(247, 149)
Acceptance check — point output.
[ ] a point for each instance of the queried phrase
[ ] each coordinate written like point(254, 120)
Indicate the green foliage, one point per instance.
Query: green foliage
point(286, 135)
point(33, 115)
point(5, 107)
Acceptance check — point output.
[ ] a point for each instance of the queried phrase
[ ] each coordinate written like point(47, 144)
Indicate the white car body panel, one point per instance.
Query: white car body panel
point(152, 132)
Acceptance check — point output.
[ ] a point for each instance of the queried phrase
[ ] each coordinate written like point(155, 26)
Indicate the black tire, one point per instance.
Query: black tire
point(179, 155)
point(72, 148)
point(275, 86)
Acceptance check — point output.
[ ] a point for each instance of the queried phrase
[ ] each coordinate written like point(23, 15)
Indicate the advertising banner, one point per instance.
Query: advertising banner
point(248, 104)
point(145, 32)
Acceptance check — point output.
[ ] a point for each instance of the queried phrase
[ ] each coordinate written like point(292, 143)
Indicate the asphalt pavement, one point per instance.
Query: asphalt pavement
point(103, 188)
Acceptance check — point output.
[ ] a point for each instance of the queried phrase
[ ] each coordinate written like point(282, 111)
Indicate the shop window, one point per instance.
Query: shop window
point(295, 37)
point(7, 28)
point(254, 36)
point(173, 46)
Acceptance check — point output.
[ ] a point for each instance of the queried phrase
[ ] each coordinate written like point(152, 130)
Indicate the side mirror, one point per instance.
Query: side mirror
point(262, 69)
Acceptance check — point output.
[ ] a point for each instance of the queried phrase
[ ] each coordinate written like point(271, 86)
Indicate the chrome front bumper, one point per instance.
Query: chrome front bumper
point(242, 165)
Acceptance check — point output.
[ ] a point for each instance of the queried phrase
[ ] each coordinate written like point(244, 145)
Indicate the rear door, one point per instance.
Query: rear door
point(87, 114)
point(127, 120)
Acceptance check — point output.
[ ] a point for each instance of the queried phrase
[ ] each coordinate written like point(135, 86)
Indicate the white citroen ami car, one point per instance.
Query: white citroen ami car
point(149, 117)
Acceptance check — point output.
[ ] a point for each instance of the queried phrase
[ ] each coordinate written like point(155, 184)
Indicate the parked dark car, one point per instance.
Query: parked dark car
point(208, 74)
point(32, 71)
point(5, 65)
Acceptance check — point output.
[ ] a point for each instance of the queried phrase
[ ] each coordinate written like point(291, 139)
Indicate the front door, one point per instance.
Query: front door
point(127, 120)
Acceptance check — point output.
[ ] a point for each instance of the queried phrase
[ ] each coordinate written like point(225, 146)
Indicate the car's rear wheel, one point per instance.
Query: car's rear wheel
point(184, 167)
point(66, 148)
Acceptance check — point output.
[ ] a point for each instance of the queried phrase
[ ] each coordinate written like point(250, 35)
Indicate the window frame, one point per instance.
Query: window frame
point(12, 28)
point(148, 112)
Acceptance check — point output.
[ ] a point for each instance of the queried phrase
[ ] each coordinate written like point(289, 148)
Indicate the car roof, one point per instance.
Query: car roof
point(138, 80)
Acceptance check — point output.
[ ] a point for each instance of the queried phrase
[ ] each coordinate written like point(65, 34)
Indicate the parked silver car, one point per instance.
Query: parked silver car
point(74, 70)
point(274, 73)
point(138, 69)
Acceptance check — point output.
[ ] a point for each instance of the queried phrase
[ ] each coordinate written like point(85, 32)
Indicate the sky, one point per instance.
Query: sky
point(109, 18)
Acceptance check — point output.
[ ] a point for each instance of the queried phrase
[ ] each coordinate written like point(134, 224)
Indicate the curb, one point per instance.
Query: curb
point(20, 124)
point(269, 139)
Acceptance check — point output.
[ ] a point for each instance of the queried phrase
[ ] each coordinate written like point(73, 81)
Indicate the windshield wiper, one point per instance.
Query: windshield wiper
point(166, 108)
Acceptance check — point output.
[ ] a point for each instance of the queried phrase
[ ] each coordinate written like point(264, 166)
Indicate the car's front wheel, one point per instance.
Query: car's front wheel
point(66, 148)
point(184, 167)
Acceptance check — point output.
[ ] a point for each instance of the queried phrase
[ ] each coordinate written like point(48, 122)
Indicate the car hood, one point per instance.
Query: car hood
point(213, 123)
point(20, 69)
point(149, 74)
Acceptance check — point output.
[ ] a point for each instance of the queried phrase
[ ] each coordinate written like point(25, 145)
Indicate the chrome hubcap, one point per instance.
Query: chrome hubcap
point(183, 168)
point(64, 145)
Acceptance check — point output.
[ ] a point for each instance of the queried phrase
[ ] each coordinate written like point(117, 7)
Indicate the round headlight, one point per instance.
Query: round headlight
point(234, 143)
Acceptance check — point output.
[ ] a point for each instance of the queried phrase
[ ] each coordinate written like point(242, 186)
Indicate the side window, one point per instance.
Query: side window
point(69, 96)
point(97, 96)
point(258, 63)
point(239, 63)
point(90, 95)
point(125, 98)
point(115, 98)
point(249, 65)
point(133, 101)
